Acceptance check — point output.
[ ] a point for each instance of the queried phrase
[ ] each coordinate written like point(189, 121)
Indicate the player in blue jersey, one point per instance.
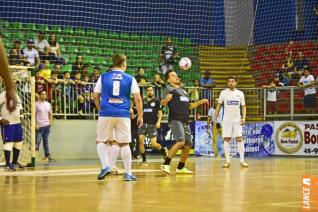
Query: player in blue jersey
point(11, 131)
point(112, 99)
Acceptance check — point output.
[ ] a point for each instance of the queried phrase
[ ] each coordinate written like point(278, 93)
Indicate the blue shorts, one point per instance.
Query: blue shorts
point(12, 133)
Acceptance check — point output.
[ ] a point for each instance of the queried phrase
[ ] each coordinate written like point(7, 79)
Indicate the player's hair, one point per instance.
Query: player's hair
point(118, 60)
point(167, 74)
point(231, 77)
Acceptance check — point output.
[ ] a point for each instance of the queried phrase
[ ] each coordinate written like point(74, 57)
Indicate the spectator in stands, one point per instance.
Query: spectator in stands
point(58, 69)
point(283, 77)
point(77, 87)
point(87, 93)
point(307, 82)
point(67, 91)
point(78, 65)
point(31, 55)
point(40, 42)
point(300, 64)
point(55, 50)
point(194, 92)
point(46, 55)
point(95, 75)
point(168, 52)
point(271, 105)
point(140, 77)
point(40, 84)
point(14, 58)
point(54, 91)
point(84, 70)
point(46, 71)
point(291, 48)
point(17, 46)
point(207, 83)
point(159, 84)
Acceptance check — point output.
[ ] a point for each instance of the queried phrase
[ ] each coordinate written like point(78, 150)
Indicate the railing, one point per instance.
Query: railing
point(66, 99)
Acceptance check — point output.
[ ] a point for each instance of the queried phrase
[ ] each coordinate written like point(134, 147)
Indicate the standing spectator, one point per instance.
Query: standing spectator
point(307, 82)
point(40, 42)
point(77, 93)
point(271, 104)
point(206, 82)
point(95, 75)
point(168, 52)
point(44, 119)
point(17, 46)
point(14, 58)
point(67, 91)
point(87, 94)
point(78, 65)
point(40, 84)
point(194, 92)
point(54, 91)
point(159, 84)
point(134, 132)
point(46, 71)
point(140, 77)
point(55, 50)
point(301, 63)
point(31, 54)
point(216, 128)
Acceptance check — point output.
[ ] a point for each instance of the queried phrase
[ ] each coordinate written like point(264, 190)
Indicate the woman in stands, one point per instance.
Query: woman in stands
point(55, 50)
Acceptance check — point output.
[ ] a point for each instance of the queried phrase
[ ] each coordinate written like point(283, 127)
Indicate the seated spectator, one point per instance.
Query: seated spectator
point(140, 77)
point(168, 52)
point(46, 71)
point(95, 75)
point(300, 64)
point(46, 55)
point(159, 84)
point(17, 46)
point(307, 82)
point(40, 43)
point(55, 50)
point(78, 64)
point(14, 58)
point(31, 55)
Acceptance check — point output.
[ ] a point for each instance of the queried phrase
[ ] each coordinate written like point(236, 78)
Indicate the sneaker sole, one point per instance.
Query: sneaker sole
point(165, 171)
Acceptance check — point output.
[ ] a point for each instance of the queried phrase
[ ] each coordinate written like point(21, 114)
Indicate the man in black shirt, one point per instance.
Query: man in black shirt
point(152, 117)
point(168, 52)
point(179, 110)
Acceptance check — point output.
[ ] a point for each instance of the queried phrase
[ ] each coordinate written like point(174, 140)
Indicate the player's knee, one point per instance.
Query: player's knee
point(18, 145)
point(180, 144)
point(8, 146)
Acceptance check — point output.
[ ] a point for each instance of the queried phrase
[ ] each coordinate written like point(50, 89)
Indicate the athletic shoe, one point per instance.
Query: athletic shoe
point(165, 168)
point(184, 170)
point(129, 177)
point(9, 167)
point(18, 166)
point(244, 164)
point(80, 113)
point(50, 159)
point(165, 154)
point(103, 173)
point(226, 164)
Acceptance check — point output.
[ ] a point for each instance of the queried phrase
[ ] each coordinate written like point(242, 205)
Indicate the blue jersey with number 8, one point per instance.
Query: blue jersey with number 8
point(115, 94)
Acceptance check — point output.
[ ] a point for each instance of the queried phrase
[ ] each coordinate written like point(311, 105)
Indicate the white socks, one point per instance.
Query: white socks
point(227, 150)
point(126, 156)
point(102, 153)
point(114, 152)
point(241, 150)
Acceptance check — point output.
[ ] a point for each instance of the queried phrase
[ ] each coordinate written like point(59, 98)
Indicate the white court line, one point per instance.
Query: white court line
point(65, 172)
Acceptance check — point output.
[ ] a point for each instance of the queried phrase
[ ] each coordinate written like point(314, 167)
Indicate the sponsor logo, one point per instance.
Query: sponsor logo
point(289, 138)
point(152, 104)
point(232, 102)
point(117, 76)
point(309, 193)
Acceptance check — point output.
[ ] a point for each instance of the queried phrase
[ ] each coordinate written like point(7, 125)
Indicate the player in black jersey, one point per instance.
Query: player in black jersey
point(179, 110)
point(152, 117)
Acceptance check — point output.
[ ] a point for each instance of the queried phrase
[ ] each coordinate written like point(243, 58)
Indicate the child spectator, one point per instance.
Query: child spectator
point(46, 71)
point(78, 65)
point(95, 75)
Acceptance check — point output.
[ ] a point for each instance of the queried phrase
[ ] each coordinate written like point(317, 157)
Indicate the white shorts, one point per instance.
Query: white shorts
point(231, 129)
point(113, 129)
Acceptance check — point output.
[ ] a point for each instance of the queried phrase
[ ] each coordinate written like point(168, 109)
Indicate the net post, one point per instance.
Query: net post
point(32, 163)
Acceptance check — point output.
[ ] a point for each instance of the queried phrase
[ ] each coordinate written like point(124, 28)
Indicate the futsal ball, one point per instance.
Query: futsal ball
point(185, 63)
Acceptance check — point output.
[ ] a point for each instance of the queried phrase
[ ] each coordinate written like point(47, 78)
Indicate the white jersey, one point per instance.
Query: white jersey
point(14, 117)
point(306, 81)
point(233, 100)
